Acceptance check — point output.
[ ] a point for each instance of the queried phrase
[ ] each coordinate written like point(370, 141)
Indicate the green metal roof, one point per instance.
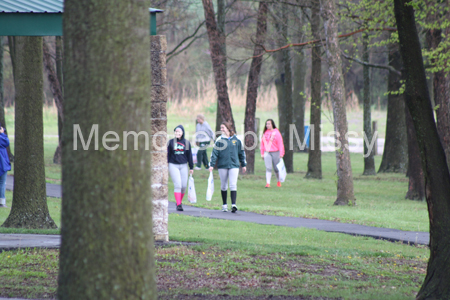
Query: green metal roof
point(31, 6)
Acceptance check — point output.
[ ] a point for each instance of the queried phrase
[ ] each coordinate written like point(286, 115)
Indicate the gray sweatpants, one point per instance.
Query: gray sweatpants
point(179, 175)
point(271, 158)
point(228, 175)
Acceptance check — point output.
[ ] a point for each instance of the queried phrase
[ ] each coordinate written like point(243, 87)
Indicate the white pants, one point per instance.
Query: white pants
point(228, 175)
point(179, 175)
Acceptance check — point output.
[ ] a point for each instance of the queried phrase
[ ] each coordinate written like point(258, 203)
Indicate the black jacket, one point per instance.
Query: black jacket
point(179, 151)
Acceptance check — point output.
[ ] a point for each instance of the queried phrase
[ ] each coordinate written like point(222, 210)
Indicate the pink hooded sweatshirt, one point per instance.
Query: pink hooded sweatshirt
point(272, 141)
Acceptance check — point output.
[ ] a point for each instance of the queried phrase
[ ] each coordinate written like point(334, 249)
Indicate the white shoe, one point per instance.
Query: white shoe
point(225, 208)
point(197, 168)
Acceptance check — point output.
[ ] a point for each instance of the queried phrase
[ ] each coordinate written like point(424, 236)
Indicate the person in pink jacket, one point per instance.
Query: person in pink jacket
point(272, 149)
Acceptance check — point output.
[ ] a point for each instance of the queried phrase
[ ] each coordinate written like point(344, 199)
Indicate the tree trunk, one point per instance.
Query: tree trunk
point(2, 100)
point(345, 194)
point(416, 185)
point(395, 154)
point(29, 206)
point(299, 96)
point(441, 92)
point(369, 161)
point(57, 157)
point(437, 178)
point(217, 59)
point(223, 50)
point(107, 241)
point(252, 88)
point(315, 154)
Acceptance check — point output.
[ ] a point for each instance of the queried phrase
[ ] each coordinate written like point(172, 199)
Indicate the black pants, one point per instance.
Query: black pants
point(202, 156)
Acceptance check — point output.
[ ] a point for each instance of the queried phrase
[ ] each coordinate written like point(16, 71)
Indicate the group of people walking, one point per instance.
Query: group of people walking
point(228, 154)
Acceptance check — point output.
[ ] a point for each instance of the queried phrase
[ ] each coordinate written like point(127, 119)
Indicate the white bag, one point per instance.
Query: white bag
point(281, 170)
point(192, 196)
point(210, 189)
point(194, 152)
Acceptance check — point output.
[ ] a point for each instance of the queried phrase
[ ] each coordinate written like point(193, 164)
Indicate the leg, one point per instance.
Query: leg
point(175, 175)
point(268, 164)
point(276, 159)
point(223, 174)
point(2, 190)
point(205, 160)
point(184, 179)
point(200, 154)
point(233, 177)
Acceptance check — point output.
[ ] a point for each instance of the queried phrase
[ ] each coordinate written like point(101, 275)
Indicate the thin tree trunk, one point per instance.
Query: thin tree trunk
point(29, 207)
point(437, 177)
point(217, 58)
point(106, 222)
point(223, 50)
point(345, 195)
point(2, 99)
point(416, 185)
point(369, 161)
point(315, 154)
point(57, 157)
point(395, 153)
point(299, 96)
point(252, 87)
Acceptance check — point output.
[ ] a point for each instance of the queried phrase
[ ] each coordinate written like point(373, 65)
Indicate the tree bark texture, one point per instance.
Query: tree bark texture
point(2, 100)
point(57, 157)
point(299, 96)
point(416, 185)
point(221, 13)
point(369, 161)
point(107, 241)
point(395, 153)
point(252, 87)
point(437, 178)
point(315, 154)
point(217, 59)
point(345, 195)
point(29, 207)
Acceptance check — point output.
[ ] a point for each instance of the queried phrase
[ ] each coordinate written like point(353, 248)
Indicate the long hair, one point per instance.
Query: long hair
point(229, 126)
point(265, 125)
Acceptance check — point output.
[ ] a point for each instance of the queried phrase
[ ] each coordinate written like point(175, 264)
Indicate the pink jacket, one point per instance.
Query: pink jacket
point(272, 141)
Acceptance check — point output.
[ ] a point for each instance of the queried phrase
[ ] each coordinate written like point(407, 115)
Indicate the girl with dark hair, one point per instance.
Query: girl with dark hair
point(272, 149)
point(228, 152)
point(179, 155)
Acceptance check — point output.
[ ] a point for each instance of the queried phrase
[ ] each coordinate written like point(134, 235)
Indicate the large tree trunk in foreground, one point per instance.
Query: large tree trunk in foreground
point(217, 59)
point(2, 99)
point(369, 161)
point(299, 96)
point(252, 88)
point(437, 178)
point(315, 154)
point(107, 240)
point(29, 206)
point(345, 194)
point(395, 153)
point(416, 184)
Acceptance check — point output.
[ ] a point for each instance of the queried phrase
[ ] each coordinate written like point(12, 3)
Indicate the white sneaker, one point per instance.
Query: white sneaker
point(197, 168)
point(225, 208)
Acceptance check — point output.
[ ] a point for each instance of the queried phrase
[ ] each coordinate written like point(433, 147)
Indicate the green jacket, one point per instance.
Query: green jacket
point(228, 153)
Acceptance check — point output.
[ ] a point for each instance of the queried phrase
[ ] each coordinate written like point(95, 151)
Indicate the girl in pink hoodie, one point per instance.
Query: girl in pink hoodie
point(272, 149)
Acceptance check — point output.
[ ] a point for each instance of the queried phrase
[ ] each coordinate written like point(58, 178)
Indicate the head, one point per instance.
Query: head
point(227, 128)
point(179, 132)
point(200, 118)
point(270, 124)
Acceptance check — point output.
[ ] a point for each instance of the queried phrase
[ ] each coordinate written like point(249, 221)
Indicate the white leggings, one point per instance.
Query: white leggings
point(228, 175)
point(179, 175)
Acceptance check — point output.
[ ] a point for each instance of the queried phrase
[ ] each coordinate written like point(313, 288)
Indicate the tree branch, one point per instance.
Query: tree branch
point(387, 67)
point(186, 38)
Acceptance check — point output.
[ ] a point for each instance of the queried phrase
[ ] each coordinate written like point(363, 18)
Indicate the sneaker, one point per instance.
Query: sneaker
point(3, 205)
point(197, 168)
point(278, 184)
point(225, 208)
point(180, 208)
point(234, 209)
point(267, 185)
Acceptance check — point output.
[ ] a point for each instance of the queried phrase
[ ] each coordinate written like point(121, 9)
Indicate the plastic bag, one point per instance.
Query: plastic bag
point(194, 152)
point(210, 189)
point(281, 170)
point(192, 196)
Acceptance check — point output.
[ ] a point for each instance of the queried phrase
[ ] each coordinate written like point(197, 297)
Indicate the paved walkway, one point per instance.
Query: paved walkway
point(10, 241)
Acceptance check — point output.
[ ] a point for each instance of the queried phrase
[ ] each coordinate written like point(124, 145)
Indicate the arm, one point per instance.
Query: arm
point(210, 132)
point(4, 141)
point(263, 145)
point(280, 143)
point(168, 150)
point(241, 154)
point(214, 155)
point(189, 155)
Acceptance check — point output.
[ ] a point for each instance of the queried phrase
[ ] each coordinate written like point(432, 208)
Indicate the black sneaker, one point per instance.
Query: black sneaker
point(180, 208)
point(234, 209)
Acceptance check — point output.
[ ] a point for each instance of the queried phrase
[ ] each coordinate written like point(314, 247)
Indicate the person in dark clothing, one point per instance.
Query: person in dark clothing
point(179, 155)
point(5, 165)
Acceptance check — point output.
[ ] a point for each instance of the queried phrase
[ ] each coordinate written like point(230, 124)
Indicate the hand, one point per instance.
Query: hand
point(191, 172)
point(262, 156)
point(281, 156)
point(2, 129)
point(211, 168)
point(244, 169)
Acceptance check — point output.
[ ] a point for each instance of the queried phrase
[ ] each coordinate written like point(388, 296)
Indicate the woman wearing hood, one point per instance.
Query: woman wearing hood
point(272, 149)
point(179, 155)
point(228, 152)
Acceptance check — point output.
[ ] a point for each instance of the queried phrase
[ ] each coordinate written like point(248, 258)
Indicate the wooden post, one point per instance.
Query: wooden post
point(375, 129)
